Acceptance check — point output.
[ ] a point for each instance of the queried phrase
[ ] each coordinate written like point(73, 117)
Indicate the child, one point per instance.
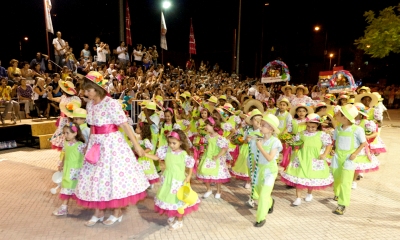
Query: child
point(271, 106)
point(79, 115)
point(308, 168)
point(299, 114)
point(154, 120)
point(365, 161)
point(195, 115)
point(147, 164)
point(70, 164)
point(212, 167)
point(330, 99)
point(266, 170)
point(229, 128)
point(167, 127)
point(349, 141)
point(199, 139)
point(176, 156)
point(285, 120)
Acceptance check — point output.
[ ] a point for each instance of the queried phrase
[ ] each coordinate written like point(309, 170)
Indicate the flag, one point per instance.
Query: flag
point(192, 42)
point(47, 8)
point(163, 43)
point(128, 26)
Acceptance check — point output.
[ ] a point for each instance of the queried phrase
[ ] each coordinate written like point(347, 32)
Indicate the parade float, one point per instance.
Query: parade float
point(275, 71)
point(337, 80)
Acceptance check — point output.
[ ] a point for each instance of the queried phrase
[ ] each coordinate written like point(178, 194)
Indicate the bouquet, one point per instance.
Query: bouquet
point(166, 132)
point(290, 139)
point(237, 139)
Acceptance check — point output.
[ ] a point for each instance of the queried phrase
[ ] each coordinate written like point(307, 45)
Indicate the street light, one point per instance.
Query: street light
point(317, 28)
point(330, 60)
point(166, 4)
point(20, 46)
point(368, 46)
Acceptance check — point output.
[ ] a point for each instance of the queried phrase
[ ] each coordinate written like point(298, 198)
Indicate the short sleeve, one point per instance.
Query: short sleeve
point(360, 135)
point(326, 139)
point(116, 115)
point(370, 126)
point(276, 145)
point(189, 161)
point(227, 127)
point(222, 142)
point(81, 148)
point(162, 152)
point(238, 120)
point(177, 126)
point(296, 138)
point(378, 115)
point(148, 145)
point(186, 122)
point(289, 126)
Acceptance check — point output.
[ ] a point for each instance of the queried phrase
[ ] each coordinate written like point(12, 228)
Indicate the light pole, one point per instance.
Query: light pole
point(20, 46)
point(262, 36)
point(330, 60)
point(165, 5)
point(238, 39)
point(317, 28)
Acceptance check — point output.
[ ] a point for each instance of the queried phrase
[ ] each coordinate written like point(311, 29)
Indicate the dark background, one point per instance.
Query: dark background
point(288, 27)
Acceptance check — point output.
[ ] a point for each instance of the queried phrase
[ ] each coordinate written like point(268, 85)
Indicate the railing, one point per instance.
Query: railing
point(136, 109)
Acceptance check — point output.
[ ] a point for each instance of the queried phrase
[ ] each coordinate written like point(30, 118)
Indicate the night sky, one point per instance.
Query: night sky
point(288, 28)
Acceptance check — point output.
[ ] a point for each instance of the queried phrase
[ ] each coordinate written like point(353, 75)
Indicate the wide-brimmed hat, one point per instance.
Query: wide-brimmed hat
point(188, 95)
point(221, 112)
point(330, 97)
point(351, 101)
point(233, 99)
point(197, 99)
point(361, 109)
point(380, 98)
point(67, 86)
point(97, 78)
point(226, 89)
point(364, 88)
point(374, 98)
point(305, 89)
point(314, 118)
point(294, 109)
point(68, 108)
point(284, 100)
point(229, 108)
point(183, 95)
point(143, 103)
point(320, 104)
point(252, 102)
point(159, 100)
point(273, 121)
point(79, 113)
point(222, 97)
point(283, 89)
point(250, 115)
point(151, 106)
point(349, 111)
point(213, 99)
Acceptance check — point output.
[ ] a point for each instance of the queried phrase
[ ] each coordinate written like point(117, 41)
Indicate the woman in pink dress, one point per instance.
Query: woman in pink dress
point(111, 176)
point(301, 96)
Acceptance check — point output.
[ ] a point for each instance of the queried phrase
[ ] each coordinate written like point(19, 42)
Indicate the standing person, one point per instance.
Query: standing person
point(212, 167)
point(266, 169)
point(155, 55)
point(177, 158)
point(301, 96)
point(110, 177)
point(122, 52)
point(349, 141)
point(85, 53)
point(95, 46)
point(59, 49)
point(101, 54)
point(308, 168)
point(25, 92)
point(71, 164)
point(137, 55)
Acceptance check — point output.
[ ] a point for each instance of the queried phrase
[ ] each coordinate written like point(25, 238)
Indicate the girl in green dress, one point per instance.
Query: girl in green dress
point(167, 126)
point(177, 158)
point(71, 164)
point(308, 168)
point(299, 113)
point(212, 167)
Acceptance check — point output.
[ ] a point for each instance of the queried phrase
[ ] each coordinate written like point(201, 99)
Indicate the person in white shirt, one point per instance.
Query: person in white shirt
point(59, 49)
point(101, 55)
point(110, 68)
point(122, 52)
point(138, 55)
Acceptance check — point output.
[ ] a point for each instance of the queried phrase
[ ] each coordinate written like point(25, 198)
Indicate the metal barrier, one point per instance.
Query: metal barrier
point(136, 109)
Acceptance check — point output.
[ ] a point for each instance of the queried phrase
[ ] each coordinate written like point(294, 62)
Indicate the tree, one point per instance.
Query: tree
point(382, 35)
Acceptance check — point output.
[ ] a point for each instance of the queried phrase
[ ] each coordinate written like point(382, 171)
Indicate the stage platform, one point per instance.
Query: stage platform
point(27, 132)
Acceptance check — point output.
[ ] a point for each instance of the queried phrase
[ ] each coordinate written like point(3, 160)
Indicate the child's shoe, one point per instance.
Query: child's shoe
point(340, 210)
point(61, 211)
point(297, 202)
point(176, 225)
point(309, 198)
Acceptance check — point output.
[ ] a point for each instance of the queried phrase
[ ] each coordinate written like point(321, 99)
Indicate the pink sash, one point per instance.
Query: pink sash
point(93, 155)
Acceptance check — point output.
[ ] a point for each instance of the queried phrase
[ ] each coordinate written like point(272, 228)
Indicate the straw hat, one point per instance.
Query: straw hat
point(305, 89)
point(222, 97)
point(151, 106)
point(351, 101)
point(374, 98)
point(67, 86)
point(97, 78)
point(144, 103)
point(252, 114)
point(233, 99)
point(361, 109)
point(229, 108)
point(226, 89)
point(330, 97)
point(349, 111)
point(294, 109)
point(320, 104)
point(68, 108)
point(343, 96)
point(221, 112)
point(188, 95)
point(364, 88)
point(286, 101)
point(380, 99)
point(79, 113)
point(314, 118)
point(213, 99)
point(252, 102)
point(273, 121)
point(283, 89)
point(243, 97)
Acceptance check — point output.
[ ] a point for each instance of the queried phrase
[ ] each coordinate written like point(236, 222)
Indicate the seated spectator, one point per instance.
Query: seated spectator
point(13, 70)
point(55, 86)
point(26, 72)
point(49, 71)
point(37, 72)
point(40, 59)
point(40, 98)
point(25, 92)
point(3, 72)
point(5, 99)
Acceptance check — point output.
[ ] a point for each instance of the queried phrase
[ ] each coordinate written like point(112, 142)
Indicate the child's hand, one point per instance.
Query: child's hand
point(332, 152)
point(60, 168)
point(259, 144)
point(187, 180)
point(215, 158)
point(352, 157)
point(322, 156)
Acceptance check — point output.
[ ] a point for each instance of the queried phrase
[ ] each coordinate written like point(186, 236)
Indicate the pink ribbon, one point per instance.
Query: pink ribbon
point(174, 135)
point(105, 129)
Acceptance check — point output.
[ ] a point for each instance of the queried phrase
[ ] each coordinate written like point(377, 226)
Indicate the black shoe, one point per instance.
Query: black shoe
point(289, 187)
point(271, 210)
point(260, 224)
point(340, 210)
point(335, 198)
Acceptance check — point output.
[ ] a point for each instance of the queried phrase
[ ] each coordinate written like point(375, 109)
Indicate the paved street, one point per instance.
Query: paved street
point(27, 205)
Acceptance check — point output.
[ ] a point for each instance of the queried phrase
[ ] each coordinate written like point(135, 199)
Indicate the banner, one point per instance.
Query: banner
point(49, 24)
point(163, 43)
point(192, 42)
point(128, 37)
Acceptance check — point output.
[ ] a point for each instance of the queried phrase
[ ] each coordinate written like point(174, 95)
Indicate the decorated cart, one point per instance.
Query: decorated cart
point(341, 81)
point(275, 71)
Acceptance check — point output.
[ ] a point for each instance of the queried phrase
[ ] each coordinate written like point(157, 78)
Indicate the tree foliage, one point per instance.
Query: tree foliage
point(382, 35)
